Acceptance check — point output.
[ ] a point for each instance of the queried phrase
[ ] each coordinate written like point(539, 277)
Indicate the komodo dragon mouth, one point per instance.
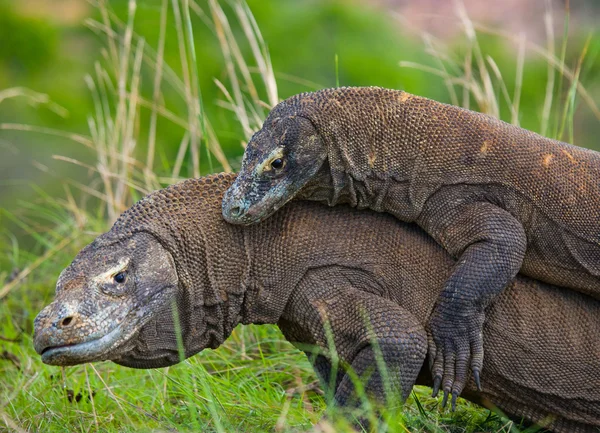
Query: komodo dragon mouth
point(87, 346)
point(74, 353)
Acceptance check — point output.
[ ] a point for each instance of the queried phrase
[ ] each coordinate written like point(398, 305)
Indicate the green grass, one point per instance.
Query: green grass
point(255, 381)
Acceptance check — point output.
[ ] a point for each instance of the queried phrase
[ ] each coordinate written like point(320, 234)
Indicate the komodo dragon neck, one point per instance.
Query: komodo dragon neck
point(366, 166)
point(211, 260)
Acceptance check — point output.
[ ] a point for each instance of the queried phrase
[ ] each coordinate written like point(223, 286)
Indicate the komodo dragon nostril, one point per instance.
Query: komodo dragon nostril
point(235, 211)
point(66, 321)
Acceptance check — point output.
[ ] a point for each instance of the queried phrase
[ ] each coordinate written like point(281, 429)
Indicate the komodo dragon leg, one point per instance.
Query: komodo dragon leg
point(326, 310)
point(489, 244)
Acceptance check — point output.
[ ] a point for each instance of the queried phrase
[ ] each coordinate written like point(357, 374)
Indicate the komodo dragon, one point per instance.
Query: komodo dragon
point(497, 197)
point(364, 273)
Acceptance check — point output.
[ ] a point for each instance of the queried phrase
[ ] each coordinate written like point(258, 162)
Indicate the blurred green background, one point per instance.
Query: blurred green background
point(51, 46)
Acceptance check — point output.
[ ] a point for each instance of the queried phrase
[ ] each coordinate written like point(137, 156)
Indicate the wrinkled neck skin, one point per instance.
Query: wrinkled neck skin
point(364, 189)
point(220, 287)
point(374, 163)
point(213, 271)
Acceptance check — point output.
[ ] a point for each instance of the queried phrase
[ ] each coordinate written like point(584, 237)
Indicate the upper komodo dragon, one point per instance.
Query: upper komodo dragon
point(363, 272)
point(497, 197)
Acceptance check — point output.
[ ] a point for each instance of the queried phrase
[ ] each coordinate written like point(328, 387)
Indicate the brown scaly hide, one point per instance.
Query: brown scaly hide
point(498, 198)
point(391, 151)
point(211, 264)
point(541, 342)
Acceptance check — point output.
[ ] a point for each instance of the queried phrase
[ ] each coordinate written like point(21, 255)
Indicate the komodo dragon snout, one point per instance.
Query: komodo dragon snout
point(103, 299)
point(279, 160)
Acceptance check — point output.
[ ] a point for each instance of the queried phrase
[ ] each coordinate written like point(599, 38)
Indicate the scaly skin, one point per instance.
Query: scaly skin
point(497, 197)
point(362, 275)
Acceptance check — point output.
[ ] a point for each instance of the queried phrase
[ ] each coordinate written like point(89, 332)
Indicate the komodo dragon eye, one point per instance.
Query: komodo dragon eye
point(120, 277)
point(276, 164)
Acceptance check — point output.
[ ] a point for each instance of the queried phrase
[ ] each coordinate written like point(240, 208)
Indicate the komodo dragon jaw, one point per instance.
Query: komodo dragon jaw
point(279, 160)
point(103, 299)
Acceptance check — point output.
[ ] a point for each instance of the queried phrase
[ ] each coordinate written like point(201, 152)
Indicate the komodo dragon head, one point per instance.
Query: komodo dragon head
point(103, 298)
point(145, 294)
point(279, 160)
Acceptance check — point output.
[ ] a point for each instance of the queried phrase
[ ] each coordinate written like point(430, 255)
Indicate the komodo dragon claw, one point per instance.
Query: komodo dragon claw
point(454, 343)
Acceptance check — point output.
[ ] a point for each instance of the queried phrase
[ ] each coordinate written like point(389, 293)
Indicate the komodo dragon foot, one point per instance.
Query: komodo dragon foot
point(453, 342)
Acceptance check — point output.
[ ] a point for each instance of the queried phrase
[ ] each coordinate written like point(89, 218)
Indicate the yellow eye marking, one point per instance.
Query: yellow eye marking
point(110, 273)
point(265, 166)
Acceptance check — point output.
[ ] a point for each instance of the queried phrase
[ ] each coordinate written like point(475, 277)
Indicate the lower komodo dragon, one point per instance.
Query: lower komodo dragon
point(364, 273)
point(500, 199)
